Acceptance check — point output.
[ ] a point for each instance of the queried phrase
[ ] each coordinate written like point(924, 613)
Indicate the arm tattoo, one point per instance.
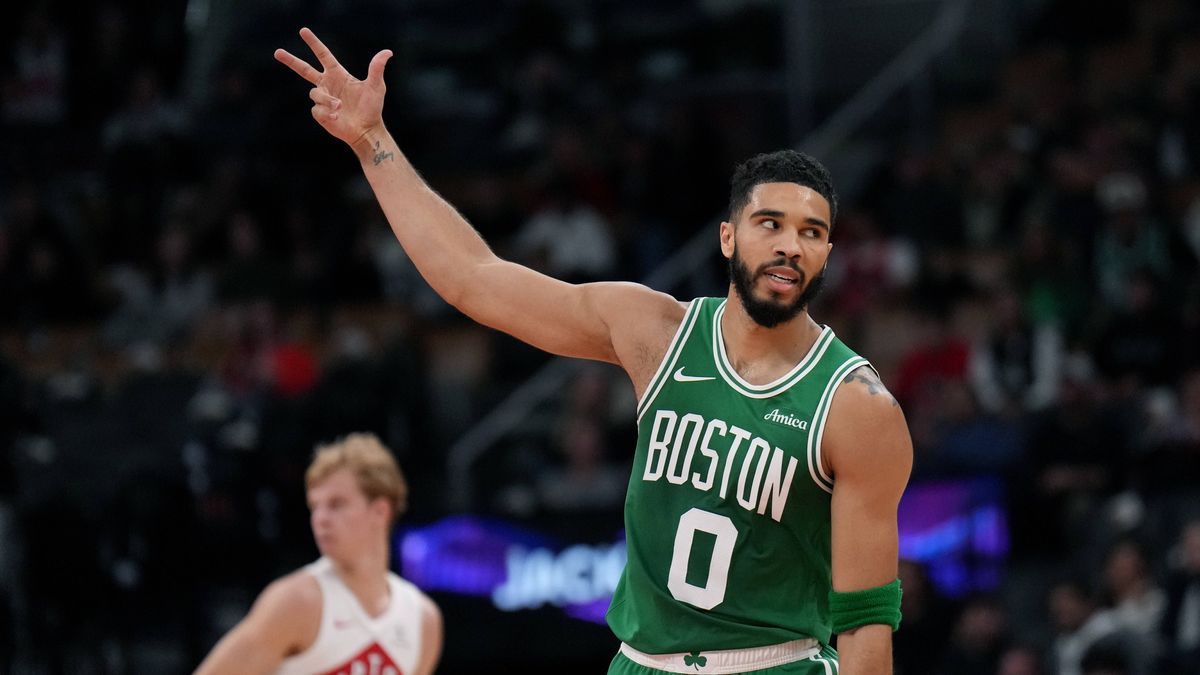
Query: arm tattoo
point(381, 155)
point(868, 377)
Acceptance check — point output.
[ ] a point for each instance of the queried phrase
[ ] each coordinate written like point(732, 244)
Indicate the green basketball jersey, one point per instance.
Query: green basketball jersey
point(727, 517)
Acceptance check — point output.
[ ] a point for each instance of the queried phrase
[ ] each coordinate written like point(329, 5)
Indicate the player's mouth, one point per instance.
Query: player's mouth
point(781, 279)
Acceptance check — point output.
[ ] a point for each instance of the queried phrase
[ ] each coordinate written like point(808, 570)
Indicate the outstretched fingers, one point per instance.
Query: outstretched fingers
point(298, 66)
point(328, 62)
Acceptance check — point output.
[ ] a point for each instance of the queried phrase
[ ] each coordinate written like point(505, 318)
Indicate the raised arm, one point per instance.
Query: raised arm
point(284, 620)
point(605, 321)
point(869, 452)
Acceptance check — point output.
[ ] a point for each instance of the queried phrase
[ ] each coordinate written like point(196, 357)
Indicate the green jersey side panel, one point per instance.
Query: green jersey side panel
point(727, 515)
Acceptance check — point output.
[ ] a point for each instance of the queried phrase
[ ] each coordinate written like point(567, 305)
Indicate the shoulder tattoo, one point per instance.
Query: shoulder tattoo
point(867, 376)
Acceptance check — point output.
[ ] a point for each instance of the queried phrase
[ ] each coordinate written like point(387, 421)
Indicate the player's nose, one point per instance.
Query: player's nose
point(788, 245)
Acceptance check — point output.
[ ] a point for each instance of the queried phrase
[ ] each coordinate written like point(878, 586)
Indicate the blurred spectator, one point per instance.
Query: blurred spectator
point(1106, 658)
point(147, 551)
point(939, 356)
point(1135, 345)
point(978, 638)
point(145, 150)
point(1020, 660)
point(48, 271)
point(586, 480)
point(1077, 626)
point(1177, 133)
point(689, 178)
point(1180, 426)
point(567, 238)
point(949, 432)
point(921, 201)
point(1180, 628)
point(306, 265)
point(357, 274)
point(262, 360)
point(352, 391)
point(927, 619)
point(869, 267)
point(944, 283)
point(35, 91)
point(990, 198)
point(105, 56)
point(161, 306)
point(234, 117)
point(1130, 242)
point(1137, 603)
point(1070, 199)
point(146, 118)
point(1049, 273)
point(963, 441)
point(581, 474)
point(249, 273)
point(1015, 368)
point(1169, 466)
point(644, 241)
point(1075, 448)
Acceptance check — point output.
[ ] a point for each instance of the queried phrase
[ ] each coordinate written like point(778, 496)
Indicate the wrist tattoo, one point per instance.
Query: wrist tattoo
point(382, 155)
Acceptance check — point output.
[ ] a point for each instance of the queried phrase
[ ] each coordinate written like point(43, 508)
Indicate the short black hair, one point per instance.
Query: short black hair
point(781, 166)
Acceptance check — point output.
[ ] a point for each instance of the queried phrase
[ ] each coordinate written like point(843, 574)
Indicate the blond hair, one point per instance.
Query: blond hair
point(375, 469)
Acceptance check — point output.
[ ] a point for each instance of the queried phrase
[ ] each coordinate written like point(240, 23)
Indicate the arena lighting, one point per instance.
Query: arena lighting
point(514, 567)
point(958, 529)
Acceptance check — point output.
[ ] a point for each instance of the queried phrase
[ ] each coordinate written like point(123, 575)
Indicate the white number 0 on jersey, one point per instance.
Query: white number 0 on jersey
point(712, 593)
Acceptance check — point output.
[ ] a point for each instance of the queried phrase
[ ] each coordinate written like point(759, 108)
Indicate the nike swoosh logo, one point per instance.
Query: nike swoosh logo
point(680, 377)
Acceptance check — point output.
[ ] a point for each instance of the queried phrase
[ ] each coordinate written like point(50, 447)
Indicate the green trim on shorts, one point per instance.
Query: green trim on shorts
point(825, 663)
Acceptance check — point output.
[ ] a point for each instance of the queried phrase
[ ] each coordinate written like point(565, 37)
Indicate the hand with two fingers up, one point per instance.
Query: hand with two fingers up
point(345, 106)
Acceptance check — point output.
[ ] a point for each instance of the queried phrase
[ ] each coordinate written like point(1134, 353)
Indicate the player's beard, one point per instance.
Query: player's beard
point(769, 313)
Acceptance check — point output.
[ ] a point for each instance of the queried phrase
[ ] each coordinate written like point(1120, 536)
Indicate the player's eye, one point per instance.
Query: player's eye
point(769, 223)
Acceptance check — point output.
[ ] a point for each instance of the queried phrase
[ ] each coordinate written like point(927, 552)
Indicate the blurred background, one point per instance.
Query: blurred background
point(196, 287)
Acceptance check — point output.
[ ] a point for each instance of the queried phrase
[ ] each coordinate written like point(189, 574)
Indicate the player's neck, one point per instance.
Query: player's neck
point(365, 575)
point(756, 351)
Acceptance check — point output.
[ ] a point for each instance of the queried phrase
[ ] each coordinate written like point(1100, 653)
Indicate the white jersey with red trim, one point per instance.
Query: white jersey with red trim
point(350, 642)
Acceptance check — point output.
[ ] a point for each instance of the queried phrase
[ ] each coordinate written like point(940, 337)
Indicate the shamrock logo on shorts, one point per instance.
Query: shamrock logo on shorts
point(695, 660)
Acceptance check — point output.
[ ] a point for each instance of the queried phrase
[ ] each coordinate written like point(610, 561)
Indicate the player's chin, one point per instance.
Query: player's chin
point(780, 298)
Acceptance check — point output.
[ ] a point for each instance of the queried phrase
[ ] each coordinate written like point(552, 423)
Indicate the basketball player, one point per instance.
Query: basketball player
point(345, 613)
point(761, 512)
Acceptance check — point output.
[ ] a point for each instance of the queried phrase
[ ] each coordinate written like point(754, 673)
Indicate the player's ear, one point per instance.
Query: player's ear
point(382, 508)
point(727, 229)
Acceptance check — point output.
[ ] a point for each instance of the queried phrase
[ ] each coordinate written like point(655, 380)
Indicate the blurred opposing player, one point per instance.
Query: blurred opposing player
point(346, 612)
